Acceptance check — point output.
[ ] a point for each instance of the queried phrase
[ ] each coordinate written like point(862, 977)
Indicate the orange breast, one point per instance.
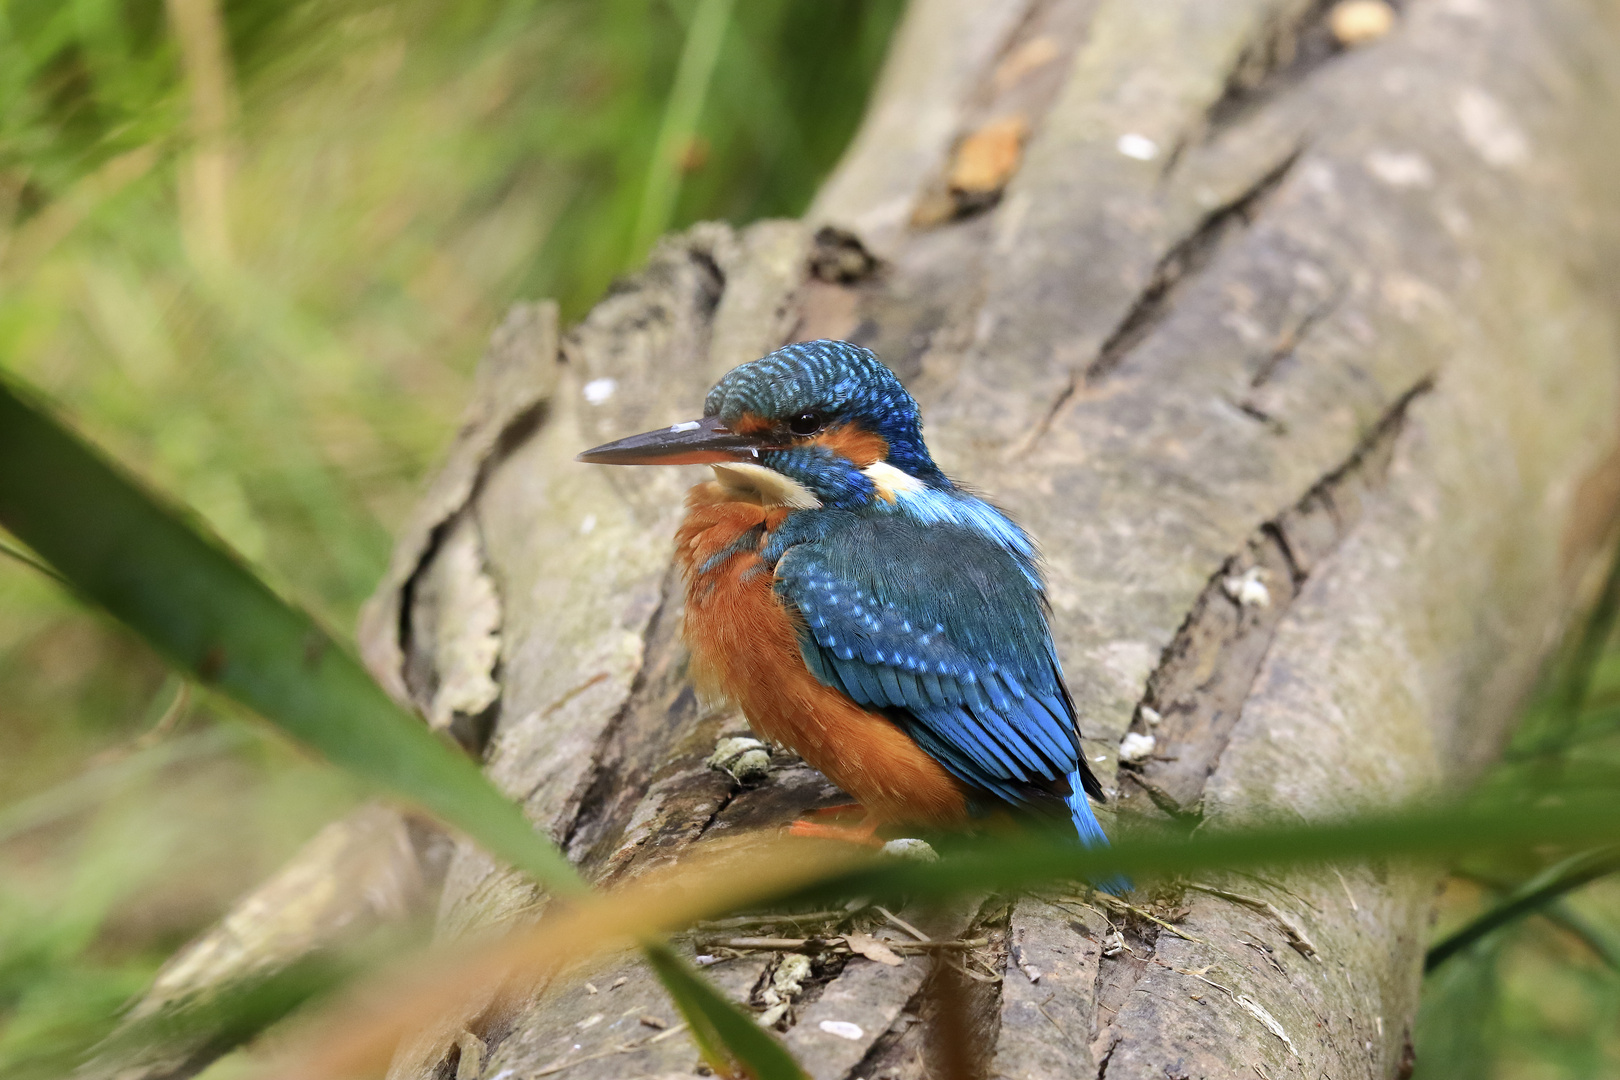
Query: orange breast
point(745, 647)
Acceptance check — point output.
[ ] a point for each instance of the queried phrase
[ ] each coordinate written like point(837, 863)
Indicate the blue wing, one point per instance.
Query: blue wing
point(943, 627)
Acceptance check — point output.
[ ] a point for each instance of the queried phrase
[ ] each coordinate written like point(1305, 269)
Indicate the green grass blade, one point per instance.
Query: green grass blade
point(124, 550)
point(1528, 899)
point(1589, 650)
point(1579, 818)
point(1455, 1036)
point(120, 547)
point(720, 1030)
point(96, 784)
point(681, 115)
point(238, 1012)
point(1603, 943)
point(12, 551)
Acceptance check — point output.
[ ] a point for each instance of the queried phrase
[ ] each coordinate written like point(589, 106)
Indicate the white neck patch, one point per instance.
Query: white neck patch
point(755, 483)
point(891, 482)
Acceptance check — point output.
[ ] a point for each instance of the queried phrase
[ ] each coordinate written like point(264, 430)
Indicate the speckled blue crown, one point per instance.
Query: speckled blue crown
point(842, 381)
point(824, 376)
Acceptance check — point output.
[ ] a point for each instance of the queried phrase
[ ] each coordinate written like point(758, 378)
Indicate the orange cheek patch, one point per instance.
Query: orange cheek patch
point(861, 447)
point(751, 424)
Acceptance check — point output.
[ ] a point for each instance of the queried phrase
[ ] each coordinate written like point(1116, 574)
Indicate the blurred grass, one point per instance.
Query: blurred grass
point(1540, 998)
point(400, 172)
point(394, 175)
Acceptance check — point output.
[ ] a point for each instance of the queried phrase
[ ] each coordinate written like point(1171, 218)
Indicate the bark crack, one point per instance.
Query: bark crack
point(418, 669)
point(1102, 1065)
point(914, 1047)
point(1287, 50)
point(1184, 260)
point(1195, 696)
point(1188, 257)
point(1287, 343)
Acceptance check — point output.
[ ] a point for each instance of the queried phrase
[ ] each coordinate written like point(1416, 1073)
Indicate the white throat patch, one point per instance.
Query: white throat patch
point(756, 483)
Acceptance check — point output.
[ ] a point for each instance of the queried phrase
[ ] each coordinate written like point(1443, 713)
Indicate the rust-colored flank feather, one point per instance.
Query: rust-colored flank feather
point(745, 647)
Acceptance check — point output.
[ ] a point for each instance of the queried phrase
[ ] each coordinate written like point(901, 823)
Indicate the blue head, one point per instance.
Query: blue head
point(830, 409)
point(822, 414)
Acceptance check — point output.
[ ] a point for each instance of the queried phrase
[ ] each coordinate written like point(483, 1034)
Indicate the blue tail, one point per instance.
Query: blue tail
point(1091, 834)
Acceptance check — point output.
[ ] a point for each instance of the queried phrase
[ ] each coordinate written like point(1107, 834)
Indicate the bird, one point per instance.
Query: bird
point(865, 610)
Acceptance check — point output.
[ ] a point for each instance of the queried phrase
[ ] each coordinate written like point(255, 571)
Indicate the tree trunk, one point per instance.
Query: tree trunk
point(1299, 362)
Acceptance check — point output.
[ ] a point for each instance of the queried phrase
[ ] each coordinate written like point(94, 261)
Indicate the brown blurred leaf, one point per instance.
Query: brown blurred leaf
point(357, 1036)
point(987, 159)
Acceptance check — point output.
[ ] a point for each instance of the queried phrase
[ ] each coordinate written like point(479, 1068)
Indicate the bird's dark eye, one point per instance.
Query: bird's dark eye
point(807, 423)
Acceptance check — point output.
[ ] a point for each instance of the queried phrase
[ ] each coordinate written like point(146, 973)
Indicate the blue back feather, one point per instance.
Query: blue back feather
point(938, 626)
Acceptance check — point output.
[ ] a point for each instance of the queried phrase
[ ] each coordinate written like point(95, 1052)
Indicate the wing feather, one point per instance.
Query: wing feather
point(944, 629)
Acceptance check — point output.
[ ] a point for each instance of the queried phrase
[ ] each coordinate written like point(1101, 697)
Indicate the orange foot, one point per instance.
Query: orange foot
point(833, 813)
point(864, 834)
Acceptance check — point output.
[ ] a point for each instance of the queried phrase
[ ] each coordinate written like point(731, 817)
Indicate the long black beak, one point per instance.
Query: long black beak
point(696, 442)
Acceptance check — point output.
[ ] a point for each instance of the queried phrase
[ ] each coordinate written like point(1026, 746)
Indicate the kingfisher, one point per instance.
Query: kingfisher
point(862, 608)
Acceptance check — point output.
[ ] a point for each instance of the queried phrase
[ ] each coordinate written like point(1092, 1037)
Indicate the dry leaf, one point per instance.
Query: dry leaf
point(873, 949)
point(987, 159)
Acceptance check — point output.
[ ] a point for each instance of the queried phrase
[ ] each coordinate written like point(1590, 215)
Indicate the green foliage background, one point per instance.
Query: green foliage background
point(401, 172)
point(398, 173)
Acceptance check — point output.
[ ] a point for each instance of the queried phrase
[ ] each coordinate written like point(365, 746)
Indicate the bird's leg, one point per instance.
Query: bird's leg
point(864, 834)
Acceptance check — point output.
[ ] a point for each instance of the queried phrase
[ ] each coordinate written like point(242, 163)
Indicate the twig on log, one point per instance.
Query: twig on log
point(1120, 905)
point(839, 944)
point(1295, 933)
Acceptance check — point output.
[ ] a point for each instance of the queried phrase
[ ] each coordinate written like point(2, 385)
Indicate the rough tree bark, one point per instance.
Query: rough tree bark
point(1301, 364)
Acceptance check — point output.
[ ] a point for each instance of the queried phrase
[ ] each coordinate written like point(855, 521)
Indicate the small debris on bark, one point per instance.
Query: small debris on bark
point(1249, 588)
point(1031, 972)
point(747, 760)
point(1292, 930)
point(1137, 147)
point(1136, 746)
point(900, 924)
point(1358, 22)
point(471, 1062)
point(1259, 1013)
point(912, 849)
point(787, 983)
point(1031, 56)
